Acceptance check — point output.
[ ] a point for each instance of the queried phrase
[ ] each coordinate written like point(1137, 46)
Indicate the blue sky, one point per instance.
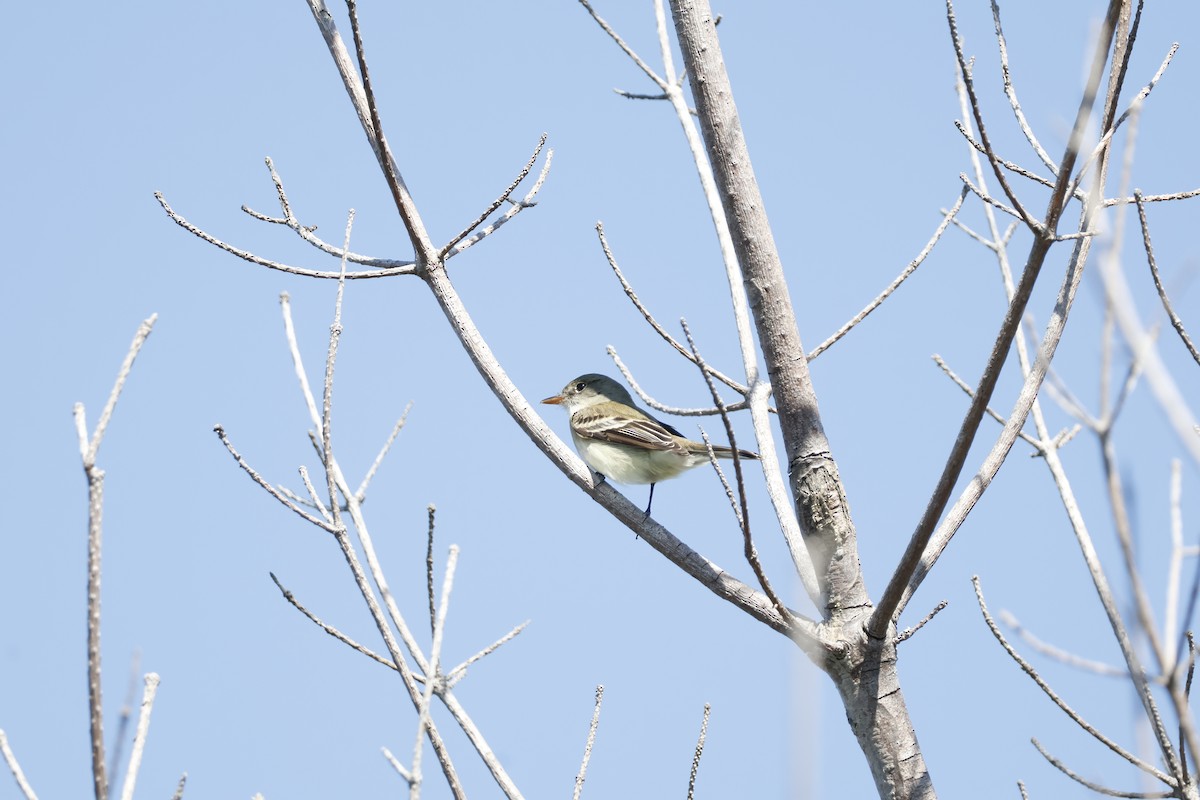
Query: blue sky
point(849, 115)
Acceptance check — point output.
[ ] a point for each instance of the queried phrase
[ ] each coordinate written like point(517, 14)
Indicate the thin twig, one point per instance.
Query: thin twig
point(1158, 284)
point(453, 676)
point(95, 479)
point(1135, 107)
point(1028, 669)
point(987, 198)
point(516, 207)
point(335, 338)
point(659, 329)
point(126, 713)
point(332, 631)
point(1174, 565)
point(246, 255)
point(916, 563)
point(431, 510)
point(1011, 93)
point(729, 493)
point(396, 765)
point(907, 633)
point(499, 201)
point(400, 196)
point(591, 740)
point(1008, 165)
point(139, 737)
point(271, 490)
point(1152, 198)
point(434, 677)
point(313, 499)
point(960, 383)
point(305, 232)
point(1095, 787)
point(178, 795)
point(361, 492)
point(1034, 225)
point(691, 793)
point(642, 65)
point(750, 551)
point(131, 355)
point(710, 411)
point(947, 218)
point(15, 767)
point(1187, 693)
point(1058, 654)
point(636, 96)
point(408, 677)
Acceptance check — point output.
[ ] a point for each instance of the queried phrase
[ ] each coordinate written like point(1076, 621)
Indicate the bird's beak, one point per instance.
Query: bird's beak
point(553, 401)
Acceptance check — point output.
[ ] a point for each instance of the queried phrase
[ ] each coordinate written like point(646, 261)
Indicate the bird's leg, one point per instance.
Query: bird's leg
point(650, 502)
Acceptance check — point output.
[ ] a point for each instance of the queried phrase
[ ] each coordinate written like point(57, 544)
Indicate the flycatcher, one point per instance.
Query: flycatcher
point(620, 441)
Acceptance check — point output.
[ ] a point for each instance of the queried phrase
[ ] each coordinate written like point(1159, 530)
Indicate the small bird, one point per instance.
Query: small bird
point(620, 441)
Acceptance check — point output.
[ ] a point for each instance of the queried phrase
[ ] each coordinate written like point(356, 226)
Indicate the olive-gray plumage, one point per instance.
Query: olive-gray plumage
point(620, 441)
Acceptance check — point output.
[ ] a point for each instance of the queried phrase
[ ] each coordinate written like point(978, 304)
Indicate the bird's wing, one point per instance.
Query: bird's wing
point(646, 433)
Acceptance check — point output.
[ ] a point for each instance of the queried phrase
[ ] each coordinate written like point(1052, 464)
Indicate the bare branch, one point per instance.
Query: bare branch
point(95, 481)
point(246, 255)
point(591, 740)
point(139, 737)
point(305, 232)
point(516, 207)
point(499, 201)
point(964, 68)
point(742, 510)
point(987, 198)
point(332, 631)
point(313, 499)
point(453, 676)
point(126, 713)
point(391, 174)
point(1058, 654)
point(947, 218)
point(907, 633)
point(914, 564)
point(960, 383)
point(649, 399)
point(1135, 107)
point(1095, 787)
point(271, 490)
point(396, 765)
point(1008, 165)
point(1011, 93)
point(691, 793)
point(635, 96)
point(15, 768)
point(361, 492)
point(432, 510)
point(1175, 565)
point(434, 677)
point(131, 355)
point(1153, 198)
point(1145, 766)
point(659, 329)
point(1158, 285)
point(642, 65)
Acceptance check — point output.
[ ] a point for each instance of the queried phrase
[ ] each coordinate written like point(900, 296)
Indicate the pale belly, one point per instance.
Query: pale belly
point(625, 464)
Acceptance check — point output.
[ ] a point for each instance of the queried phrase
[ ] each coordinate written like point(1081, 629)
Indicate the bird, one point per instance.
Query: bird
point(620, 441)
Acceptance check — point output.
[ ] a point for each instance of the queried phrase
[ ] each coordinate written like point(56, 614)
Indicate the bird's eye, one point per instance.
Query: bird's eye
point(579, 386)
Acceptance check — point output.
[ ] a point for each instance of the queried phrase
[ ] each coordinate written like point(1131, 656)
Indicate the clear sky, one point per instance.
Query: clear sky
point(849, 112)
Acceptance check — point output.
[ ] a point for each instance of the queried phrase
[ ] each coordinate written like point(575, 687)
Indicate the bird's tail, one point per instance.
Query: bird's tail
point(724, 452)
